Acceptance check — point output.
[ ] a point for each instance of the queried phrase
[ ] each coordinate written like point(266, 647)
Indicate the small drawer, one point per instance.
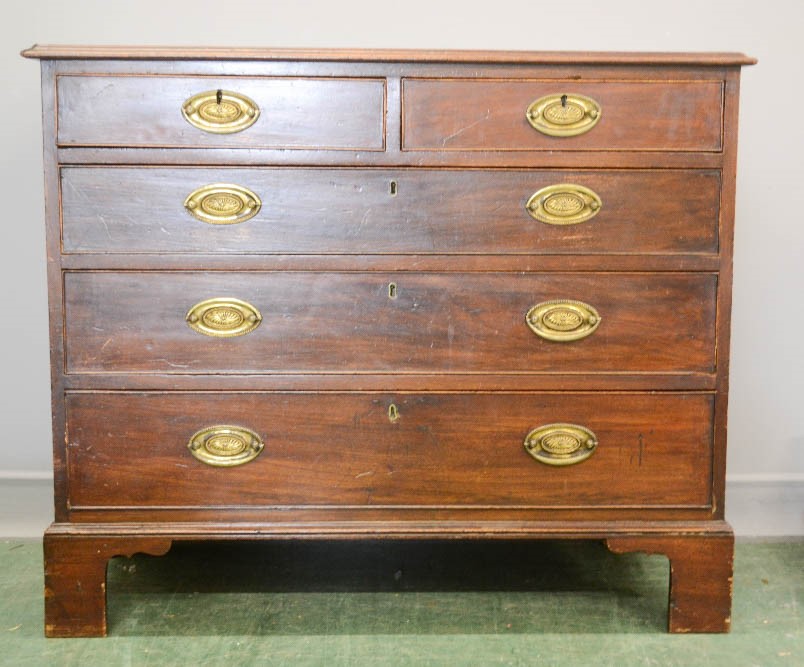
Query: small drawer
point(229, 112)
point(349, 211)
point(352, 449)
point(505, 115)
point(315, 322)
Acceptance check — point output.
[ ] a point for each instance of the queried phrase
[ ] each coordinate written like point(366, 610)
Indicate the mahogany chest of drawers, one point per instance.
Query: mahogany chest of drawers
point(388, 294)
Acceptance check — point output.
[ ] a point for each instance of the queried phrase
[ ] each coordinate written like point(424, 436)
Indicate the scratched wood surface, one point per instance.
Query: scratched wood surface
point(433, 449)
point(295, 113)
point(378, 211)
point(120, 322)
point(344, 604)
point(378, 172)
point(463, 114)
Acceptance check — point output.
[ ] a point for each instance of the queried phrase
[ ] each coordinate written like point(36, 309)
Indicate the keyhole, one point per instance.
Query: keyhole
point(393, 188)
point(392, 290)
point(393, 413)
point(219, 95)
point(563, 100)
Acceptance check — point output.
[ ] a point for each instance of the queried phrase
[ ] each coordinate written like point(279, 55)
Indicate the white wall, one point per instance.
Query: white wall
point(766, 422)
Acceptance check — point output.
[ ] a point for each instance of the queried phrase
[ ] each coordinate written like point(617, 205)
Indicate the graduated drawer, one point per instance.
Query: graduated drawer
point(354, 449)
point(317, 322)
point(490, 114)
point(150, 209)
point(292, 112)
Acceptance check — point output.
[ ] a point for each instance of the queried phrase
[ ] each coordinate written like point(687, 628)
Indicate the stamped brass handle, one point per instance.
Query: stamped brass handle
point(563, 320)
point(560, 444)
point(564, 115)
point(564, 204)
point(223, 317)
point(224, 446)
point(220, 111)
point(222, 204)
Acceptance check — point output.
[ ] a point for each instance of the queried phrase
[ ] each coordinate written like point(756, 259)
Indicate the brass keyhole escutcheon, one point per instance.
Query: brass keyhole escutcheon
point(392, 291)
point(393, 413)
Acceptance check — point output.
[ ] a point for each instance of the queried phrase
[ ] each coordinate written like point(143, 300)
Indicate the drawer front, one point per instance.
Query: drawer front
point(124, 210)
point(376, 322)
point(476, 114)
point(372, 450)
point(293, 112)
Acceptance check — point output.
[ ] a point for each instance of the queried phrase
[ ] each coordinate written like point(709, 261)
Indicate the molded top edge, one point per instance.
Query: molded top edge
point(68, 52)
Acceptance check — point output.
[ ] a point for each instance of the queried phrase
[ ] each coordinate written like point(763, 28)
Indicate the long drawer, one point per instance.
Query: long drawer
point(492, 114)
point(253, 112)
point(649, 449)
point(152, 209)
point(267, 322)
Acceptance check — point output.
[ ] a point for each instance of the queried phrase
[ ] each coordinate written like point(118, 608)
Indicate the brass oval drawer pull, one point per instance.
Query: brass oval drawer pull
point(222, 204)
point(220, 111)
point(224, 446)
point(561, 444)
point(563, 320)
point(223, 318)
point(564, 204)
point(563, 115)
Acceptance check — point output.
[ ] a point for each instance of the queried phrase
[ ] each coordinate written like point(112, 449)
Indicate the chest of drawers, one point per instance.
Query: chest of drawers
point(388, 294)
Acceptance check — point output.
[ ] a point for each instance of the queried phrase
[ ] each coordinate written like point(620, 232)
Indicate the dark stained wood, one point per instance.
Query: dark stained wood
point(312, 521)
point(394, 71)
point(75, 579)
point(55, 295)
point(331, 211)
point(527, 529)
point(216, 157)
point(346, 323)
point(463, 263)
point(466, 114)
point(84, 52)
point(498, 381)
point(374, 69)
point(725, 277)
point(452, 351)
point(701, 570)
point(76, 558)
point(319, 113)
point(441, 449)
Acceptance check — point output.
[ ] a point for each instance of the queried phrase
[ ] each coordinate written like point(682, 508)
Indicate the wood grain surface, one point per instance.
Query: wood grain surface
point(347, 322)
point(294, 112)
point(138, 52)
point(345, 449)
point(351, 211)
point(466, 114)
point(701, 574)
point(75, 579)
point(393, 263)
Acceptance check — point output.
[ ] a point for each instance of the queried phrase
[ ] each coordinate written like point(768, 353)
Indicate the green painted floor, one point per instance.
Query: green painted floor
point(405, 603)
